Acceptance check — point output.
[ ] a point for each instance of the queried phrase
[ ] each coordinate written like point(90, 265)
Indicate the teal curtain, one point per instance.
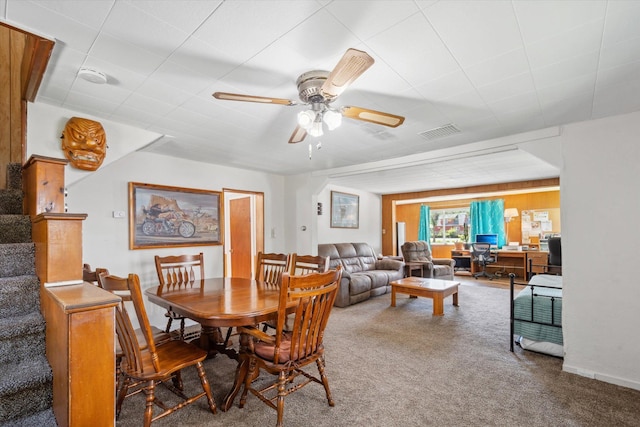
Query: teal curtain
point(487, 217)
point(423, 225)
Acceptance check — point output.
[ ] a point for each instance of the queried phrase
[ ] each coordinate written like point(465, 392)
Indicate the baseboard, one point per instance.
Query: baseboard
point(623, 382)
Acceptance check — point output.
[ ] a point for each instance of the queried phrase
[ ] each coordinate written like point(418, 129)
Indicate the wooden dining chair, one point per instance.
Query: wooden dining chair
point(300, 265)
point(89, 275)
point(177, 271)
point(155, 363)
point(270, 267)
point(269, 270)
point(119, 286)
point(305, 264)
point(285, 354)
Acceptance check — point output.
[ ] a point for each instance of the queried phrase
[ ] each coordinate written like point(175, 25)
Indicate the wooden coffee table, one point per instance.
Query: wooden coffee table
point(435, 289)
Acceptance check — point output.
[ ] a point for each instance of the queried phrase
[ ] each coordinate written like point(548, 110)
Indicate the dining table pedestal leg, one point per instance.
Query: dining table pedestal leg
point(241, 372)
point(211, 340)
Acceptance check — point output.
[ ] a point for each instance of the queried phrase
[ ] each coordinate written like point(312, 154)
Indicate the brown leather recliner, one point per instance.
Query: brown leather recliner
point(433, 268)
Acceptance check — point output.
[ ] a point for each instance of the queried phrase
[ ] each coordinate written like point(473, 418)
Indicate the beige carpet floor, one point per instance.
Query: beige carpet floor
point(404, 367)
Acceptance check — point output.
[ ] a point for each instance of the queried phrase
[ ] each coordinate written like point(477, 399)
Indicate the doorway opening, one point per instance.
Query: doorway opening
point(244, 231)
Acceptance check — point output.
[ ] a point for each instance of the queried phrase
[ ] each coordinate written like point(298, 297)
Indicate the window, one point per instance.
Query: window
point(448, 226)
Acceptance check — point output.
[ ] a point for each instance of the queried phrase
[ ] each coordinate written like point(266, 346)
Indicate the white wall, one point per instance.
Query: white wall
point(600, 209)
point(99, 193)
point(370, 219)
point(45, 125)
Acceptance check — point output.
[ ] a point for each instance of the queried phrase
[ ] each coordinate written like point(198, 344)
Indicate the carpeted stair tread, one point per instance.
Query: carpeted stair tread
point(14, 176)
point(27, 324)
point(21, 337)
point(44, 418)
point(26, 385)
point(17, 259)
point(15, 229)
point(27, 373)
point(11, 202)
point(19, 295)
point(25, 388)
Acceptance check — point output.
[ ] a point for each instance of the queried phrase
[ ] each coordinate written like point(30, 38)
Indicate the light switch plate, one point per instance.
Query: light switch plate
point(118, 214)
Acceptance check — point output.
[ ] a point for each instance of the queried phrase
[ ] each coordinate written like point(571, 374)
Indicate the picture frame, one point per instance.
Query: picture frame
point(162, 216)
point(345, 210)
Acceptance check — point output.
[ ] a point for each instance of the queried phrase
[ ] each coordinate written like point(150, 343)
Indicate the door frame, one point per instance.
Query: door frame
point(257, 223)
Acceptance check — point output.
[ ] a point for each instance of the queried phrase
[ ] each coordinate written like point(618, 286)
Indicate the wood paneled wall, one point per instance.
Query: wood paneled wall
point(11, 107)
point(23, 60)
point(410, 213)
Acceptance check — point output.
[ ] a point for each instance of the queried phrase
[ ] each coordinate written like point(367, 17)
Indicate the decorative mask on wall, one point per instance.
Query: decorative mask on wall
point(84, 143)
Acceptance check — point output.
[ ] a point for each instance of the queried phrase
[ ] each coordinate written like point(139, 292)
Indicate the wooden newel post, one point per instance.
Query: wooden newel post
point(58, 240)
point(43, 185)
point(75, 312)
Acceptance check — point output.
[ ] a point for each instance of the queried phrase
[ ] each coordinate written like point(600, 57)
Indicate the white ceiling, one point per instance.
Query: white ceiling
point(494, 69)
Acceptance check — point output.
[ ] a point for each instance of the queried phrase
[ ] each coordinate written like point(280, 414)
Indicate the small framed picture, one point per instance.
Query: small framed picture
point(344, 210)
point(164, 216)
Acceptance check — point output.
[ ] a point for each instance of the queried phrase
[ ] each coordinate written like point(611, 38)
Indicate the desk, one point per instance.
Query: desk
point(220, 302)
point(511, 261)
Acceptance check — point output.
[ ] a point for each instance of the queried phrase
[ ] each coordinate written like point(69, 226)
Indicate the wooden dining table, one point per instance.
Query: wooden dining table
point(216, 303)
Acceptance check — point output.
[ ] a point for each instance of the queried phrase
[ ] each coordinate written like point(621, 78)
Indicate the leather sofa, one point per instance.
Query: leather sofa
point(418, 252)
point(364, 275)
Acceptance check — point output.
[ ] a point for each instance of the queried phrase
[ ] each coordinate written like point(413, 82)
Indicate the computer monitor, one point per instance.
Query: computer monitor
point(491, 239)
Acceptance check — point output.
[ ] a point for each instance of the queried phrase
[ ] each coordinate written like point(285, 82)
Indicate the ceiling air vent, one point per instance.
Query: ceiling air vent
point(441, 132)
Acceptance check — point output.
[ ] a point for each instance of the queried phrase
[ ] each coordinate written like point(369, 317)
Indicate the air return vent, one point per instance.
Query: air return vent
point(441, 132)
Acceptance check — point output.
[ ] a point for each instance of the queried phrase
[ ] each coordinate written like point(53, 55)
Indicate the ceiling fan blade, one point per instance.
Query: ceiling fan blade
point(373, 116)
point(351, 66)
point(249, 98)
point(298, 135)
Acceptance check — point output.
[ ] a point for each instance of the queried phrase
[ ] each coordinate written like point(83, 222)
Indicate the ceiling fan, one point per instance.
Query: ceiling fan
point(319, 89)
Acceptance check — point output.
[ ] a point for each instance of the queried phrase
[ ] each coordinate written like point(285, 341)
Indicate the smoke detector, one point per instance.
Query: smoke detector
point(93, 76)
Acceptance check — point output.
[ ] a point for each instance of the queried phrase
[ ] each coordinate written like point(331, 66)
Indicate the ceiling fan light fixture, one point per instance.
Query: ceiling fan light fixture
point(316, 128)
point(306, 119)
point(332, 119)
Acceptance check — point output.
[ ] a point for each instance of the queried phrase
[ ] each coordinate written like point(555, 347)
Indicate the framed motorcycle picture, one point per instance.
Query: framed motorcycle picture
point(164, 216)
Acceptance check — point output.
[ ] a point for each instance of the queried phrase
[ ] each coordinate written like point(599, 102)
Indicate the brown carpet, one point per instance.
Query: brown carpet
point(403, 367)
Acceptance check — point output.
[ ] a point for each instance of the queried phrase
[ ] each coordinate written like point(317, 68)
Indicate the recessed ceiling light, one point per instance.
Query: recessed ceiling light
point(92, 75)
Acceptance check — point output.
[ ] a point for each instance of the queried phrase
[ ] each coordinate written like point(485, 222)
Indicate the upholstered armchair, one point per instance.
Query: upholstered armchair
point(417, 256)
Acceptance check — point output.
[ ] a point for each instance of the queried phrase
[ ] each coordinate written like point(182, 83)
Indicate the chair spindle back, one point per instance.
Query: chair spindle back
point(179, 269)
point(306, 264)
point(270, 267)
point(314, 295)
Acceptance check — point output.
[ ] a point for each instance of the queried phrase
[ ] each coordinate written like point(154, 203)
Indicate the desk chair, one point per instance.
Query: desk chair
point(481, 253)
point(156, 363)
point(555, 256)
point(176, 271)
point(285, 355)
